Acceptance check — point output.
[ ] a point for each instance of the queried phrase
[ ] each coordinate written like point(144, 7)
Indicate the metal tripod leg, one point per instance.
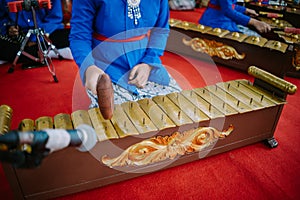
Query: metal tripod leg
point(51, 46)
point(44, 52)
point(12, 67)
point(51, 68)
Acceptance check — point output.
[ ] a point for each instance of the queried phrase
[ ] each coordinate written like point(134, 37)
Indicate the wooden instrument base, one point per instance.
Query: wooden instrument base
point(70, 171)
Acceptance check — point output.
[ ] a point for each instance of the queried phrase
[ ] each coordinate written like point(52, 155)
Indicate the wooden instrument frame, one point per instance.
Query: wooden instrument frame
point(69, 171)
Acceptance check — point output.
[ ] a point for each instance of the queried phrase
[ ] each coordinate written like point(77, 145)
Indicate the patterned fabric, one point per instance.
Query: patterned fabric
point(247, 31)
point(151, 89)
point(182, 4)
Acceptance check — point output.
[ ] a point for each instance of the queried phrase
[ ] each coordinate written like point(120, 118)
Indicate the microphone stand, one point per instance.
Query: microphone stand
point(15, 154)
point(28, 149)
point(44, 45)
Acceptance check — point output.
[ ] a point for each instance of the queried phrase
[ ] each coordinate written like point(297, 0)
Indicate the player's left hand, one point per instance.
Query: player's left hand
point(139, 75)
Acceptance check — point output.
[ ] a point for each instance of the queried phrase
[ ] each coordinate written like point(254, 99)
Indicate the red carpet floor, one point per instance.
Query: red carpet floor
point(251, 172)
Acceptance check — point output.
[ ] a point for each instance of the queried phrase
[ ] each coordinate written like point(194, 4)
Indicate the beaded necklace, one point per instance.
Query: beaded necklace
point(134, 10)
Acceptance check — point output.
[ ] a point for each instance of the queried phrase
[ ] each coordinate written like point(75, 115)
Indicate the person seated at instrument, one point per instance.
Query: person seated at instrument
point(14, 27)
point(125, 40)
point(226, 14)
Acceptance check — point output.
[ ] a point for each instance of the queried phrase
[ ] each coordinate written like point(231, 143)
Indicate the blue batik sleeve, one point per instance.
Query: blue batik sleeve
point(234, 13)
point(83, 13)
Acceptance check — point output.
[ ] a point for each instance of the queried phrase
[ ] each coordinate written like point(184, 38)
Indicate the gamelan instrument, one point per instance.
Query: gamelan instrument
point(287, 10)
point(281, 29)
point(232, 49)
point(153, 134)
point(285, 22)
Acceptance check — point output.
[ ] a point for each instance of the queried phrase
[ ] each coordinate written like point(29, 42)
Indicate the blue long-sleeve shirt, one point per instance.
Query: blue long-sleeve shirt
point(48, 20)
point(110, 19)
point(224, 15)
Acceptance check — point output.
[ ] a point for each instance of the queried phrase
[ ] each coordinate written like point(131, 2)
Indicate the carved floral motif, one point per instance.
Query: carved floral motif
point(296, 59)
point(160, 148)
point(213, 48)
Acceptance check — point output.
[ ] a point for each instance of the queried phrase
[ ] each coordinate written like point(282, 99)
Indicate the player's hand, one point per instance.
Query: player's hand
point(13, 31)
point(251, 13)
point(91, 77)
point(262, 27)
point(139, 75)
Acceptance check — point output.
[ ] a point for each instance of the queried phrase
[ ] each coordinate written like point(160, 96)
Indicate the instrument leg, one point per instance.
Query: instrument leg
point(271, 142)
